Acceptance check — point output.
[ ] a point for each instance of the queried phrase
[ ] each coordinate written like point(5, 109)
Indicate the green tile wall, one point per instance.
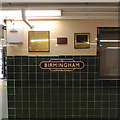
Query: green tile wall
point(80, 94)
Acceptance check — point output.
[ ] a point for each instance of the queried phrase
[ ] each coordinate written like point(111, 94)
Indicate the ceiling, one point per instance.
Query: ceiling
point(60, 1)
point(72, 10)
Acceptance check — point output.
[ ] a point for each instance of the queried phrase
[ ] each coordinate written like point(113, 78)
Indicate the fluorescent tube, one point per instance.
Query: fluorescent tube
point(43, 13)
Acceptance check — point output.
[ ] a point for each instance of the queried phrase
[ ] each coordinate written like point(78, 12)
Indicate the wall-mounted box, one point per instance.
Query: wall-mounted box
point(15, 32)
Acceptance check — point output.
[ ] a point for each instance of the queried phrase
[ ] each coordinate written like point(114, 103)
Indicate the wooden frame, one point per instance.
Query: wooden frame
point(81, 40)
point(39, 41)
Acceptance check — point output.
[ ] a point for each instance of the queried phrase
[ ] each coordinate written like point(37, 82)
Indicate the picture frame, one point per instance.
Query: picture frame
point(39, 41)
point(81, 40)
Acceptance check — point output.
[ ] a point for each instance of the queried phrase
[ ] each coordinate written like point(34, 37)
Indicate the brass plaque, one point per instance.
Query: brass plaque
point(81, 40)
point(39, 41)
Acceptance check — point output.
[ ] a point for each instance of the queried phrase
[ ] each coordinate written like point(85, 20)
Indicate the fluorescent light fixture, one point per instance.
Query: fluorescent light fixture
point(11, 14)
point(43, 13)
point(113, 48)
point(109, 40)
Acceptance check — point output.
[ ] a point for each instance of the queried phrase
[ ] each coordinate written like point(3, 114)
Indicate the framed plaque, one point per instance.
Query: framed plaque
point(39, 41)
point(61, 40)
point(81, 40)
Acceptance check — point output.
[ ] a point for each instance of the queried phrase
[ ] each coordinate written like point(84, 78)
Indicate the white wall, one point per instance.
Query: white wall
point(61, 28)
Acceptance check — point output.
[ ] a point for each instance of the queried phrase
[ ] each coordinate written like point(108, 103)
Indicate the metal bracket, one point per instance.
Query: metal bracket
point(24, 18)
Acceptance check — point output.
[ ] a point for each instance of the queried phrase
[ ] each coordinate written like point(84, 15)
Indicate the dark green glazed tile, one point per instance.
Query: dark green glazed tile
point(25, 61)
point(62, 57)
point(74, 90)
point(11, 112)
point(47, 113)
point(69, 105)
point(25, 98)
point(33, 91)
point(47, 98)
point(18, 75)
point(10, 62)
point(61, 75)
point(18, 61)
point(10, 57)
point(10, 76)
point(32, 76)
point(54, 57)
point(40, 98)
point(24, 68)
point(25, 91)
point(91, 69)
point(32, 113)
point(26, 113)
point(61, 83)
point(11, 105)
point(46, 83)
point(10, 91)
point(90, 75)
point(40, 113)
point(46, 75)
point(55, 83)
point(39, 69)
point(92, 57)
point(32, 68)
point(69, 75)
point(83, 112)
point(18, 113)
point(54, 75)
point(32, 105)
point(69, 83)
point(18, 98)
point(25, 76)
point(10, 83)
point(11, 98)
point(25, 84)
point(84, 75)
point(76, 75)
point(18, 105)
point(62, 112)
point(84, 69)
point(69, 57)
point(76, 83)
point(32, 61)
point(18, 68)
point(24, 57)
point(91, 83)
point(18, 91)
point(40, 105)
point(85, 61)
point(46, 59)
point(12, 117)
point(40, 76)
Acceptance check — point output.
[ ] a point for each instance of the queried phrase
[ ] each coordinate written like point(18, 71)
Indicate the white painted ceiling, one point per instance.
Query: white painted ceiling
point(72, 10)
point(60, 1)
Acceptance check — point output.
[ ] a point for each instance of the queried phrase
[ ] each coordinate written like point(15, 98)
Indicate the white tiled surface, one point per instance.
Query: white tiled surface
point(3, 100)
